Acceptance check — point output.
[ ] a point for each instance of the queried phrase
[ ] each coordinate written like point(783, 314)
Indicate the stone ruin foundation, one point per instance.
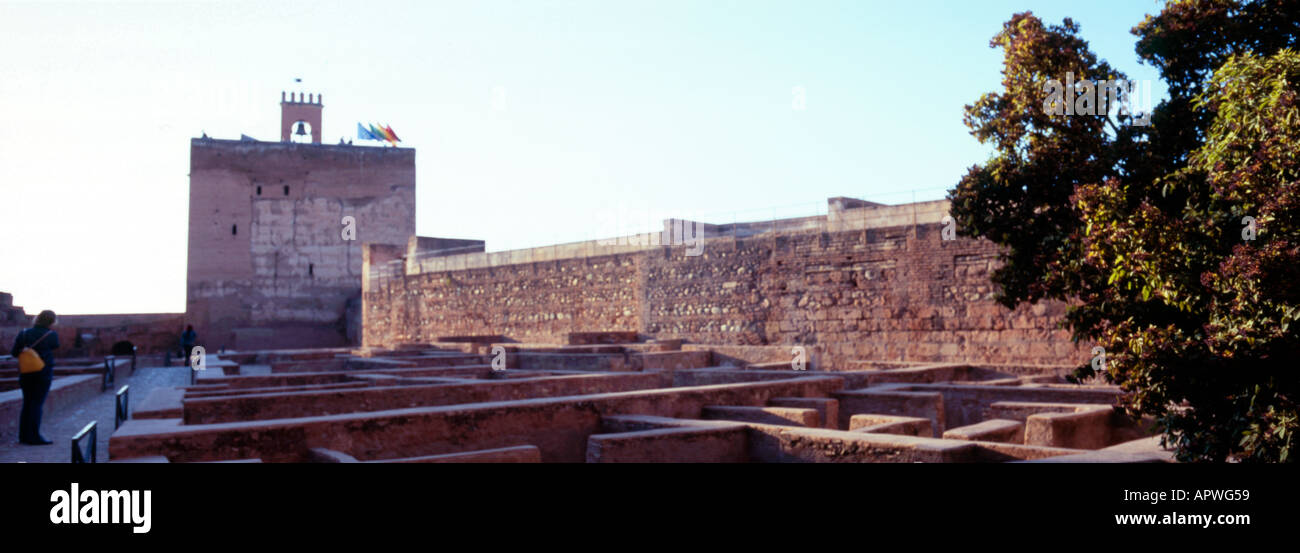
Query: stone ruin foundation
point(614, 397)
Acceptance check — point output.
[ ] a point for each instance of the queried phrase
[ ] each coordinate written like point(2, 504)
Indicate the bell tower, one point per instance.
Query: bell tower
point(300, 116)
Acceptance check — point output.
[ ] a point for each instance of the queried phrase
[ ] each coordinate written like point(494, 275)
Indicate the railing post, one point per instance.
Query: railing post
point(109, 378)
point(78, 456)
point(122, 407)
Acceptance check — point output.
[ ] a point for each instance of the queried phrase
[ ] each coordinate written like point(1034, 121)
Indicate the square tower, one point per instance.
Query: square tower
point(302, 111)
point(269, 265)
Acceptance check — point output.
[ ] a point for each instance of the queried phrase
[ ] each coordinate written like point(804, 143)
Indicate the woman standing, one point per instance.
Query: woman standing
point(36, 385)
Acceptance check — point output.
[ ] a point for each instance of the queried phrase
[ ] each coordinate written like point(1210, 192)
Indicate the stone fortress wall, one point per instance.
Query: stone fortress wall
point(866, 282)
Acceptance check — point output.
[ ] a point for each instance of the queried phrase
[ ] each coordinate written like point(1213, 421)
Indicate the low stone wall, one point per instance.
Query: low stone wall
point(926, 405)
point(559, 427)
point(957, 405)
point(739, 356)
point(968, 404)
point(671, 360)
point(310, 403)
point(569, 361)
point(828, 410)
point(790, 416)
point(992, 430)
point(891, 424)
point(720, 444)
point(64, 391)
point(516, 454)
point(775, 444)
point(707, 376)
point(717, 441)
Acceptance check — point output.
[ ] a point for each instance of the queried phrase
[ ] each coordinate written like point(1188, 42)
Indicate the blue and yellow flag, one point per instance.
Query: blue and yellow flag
point(363, 134)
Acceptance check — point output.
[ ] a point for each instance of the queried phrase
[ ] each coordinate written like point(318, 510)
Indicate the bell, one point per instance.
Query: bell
point(302, 130)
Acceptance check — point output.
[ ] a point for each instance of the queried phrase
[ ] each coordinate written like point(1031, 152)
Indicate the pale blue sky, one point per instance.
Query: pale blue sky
point(642, 109)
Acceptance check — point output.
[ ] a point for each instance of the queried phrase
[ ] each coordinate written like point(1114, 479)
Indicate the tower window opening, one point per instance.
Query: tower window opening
point(259, 190)
point(234, 229)
point(311, 269)
point(286, 190)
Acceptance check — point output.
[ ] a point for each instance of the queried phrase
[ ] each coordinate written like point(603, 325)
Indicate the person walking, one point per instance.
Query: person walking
point(36, 385)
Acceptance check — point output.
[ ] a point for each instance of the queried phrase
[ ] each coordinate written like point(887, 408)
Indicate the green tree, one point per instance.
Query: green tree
point(1144, 228)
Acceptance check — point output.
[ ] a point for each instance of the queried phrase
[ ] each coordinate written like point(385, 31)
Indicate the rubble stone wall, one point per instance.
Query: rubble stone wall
point(898, 293)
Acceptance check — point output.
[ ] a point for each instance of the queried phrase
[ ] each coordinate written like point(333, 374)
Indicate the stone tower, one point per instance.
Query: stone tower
point(298, 108)
point(269, 265)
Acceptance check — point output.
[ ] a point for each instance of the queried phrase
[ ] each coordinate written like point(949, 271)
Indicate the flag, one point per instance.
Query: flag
point(371, 131)
point(363, 134)
point(379, 133)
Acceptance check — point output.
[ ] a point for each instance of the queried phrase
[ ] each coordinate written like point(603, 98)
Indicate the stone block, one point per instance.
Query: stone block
point(777, 444)
point(722, 444)
point(1086, 429)
point(887, 424)
point(765, 415)
point(927, 405)
point(827, 408)
point(515, 454)
point(994, 430)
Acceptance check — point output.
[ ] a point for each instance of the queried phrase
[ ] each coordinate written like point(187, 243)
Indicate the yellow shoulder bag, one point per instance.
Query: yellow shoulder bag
point(28, 360)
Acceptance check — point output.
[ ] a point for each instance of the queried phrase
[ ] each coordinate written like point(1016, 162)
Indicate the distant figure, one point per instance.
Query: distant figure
point(36, 385)
point(188, 339)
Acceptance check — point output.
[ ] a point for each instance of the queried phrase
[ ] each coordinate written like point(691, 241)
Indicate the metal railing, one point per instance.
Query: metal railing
point(78, 453)
point(122, 407)
point(110, 378)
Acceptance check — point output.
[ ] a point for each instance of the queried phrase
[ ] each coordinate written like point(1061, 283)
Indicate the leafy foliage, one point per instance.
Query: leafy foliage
point(1141, 227)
